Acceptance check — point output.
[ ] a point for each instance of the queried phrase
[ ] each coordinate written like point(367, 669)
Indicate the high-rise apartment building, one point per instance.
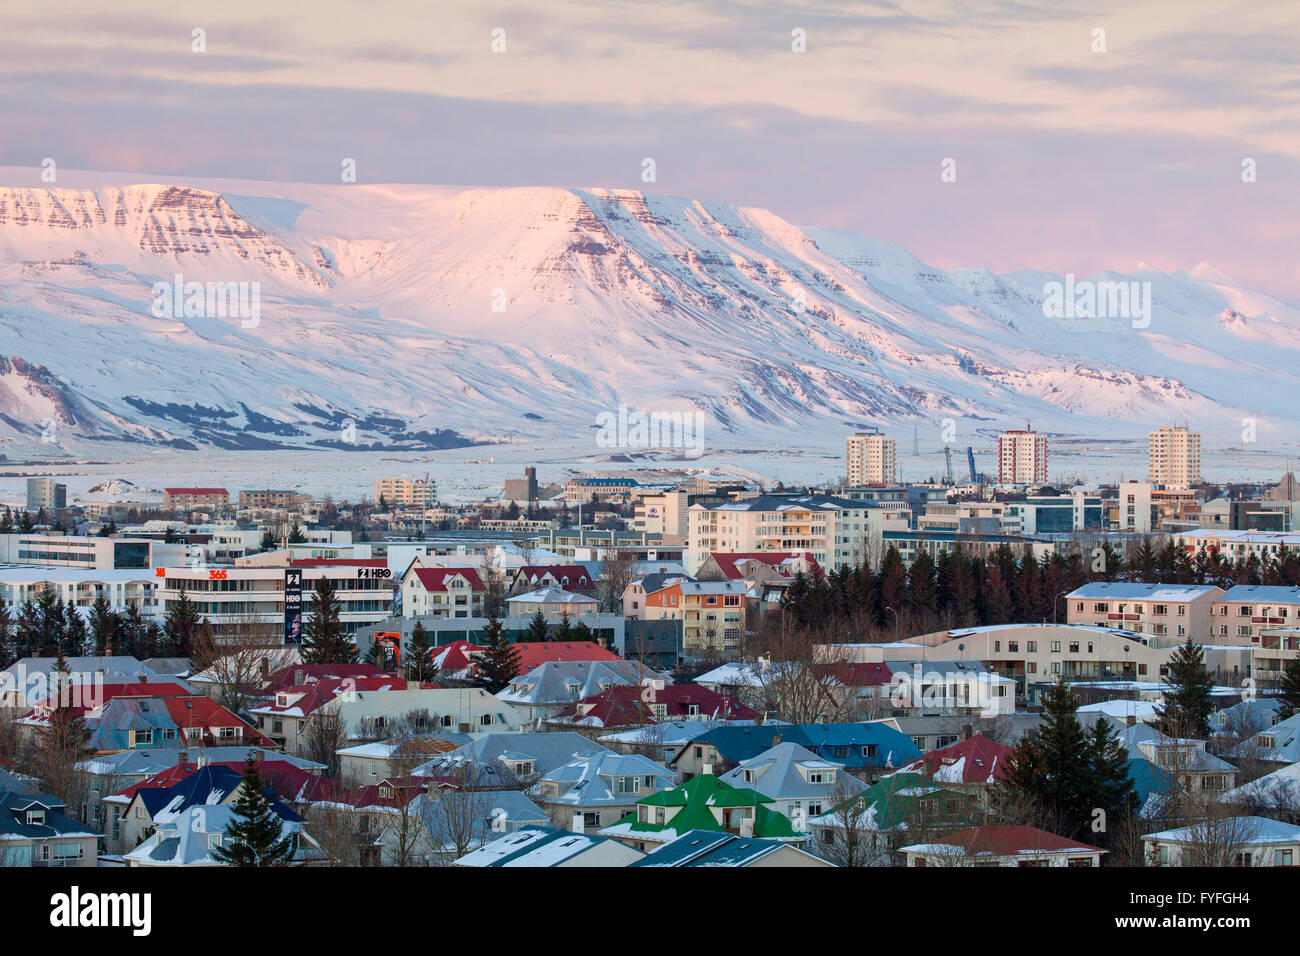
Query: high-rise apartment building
point(1175, 457)
point(1022, 457)
point(46, 493)
point(870, 459)
point(404, 493)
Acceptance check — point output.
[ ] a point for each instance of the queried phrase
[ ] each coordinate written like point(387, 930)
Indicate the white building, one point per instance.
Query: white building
point(1022, 457)
point(405, 493)
point(1135, 508)
point(1175, 457)
point(870, 459)
point(80, 587)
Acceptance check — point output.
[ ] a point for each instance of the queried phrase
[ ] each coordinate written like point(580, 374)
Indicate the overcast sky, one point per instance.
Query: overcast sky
point(1066, 158)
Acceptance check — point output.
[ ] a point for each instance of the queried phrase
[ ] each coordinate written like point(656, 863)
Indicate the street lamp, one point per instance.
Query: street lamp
point(895, 613)
point(1055, 602)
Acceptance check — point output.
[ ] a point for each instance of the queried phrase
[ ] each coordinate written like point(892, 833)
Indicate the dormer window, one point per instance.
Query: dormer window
point(35, 818)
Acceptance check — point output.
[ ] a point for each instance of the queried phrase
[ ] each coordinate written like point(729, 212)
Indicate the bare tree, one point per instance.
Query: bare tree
point(461, 821)
point(1220, 838)
point(617, 571)
point(240, 658)
point(325, 735)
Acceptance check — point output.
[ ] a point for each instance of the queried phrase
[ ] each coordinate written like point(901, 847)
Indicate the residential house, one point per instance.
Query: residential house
point(663, 741)
point(442, 592)
point(554, 686)
point(374, 761)
point(597, 790)
point(1278, 745)
point(1002, 846)
point(1230, 841)
point(553, 603)
point(711, 848)
point(1277, 793)
point(36, 830)
point(702, 803)
point(169, 723)
point(550, 847)
point(566, 577)
point(712, 613)
point(800, 783)
point(634, 595)
point(627, 706)
point(864, 749)
point(189, 838)
point(509, 760)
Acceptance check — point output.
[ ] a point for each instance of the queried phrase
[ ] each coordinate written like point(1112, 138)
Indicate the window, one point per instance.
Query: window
point(1074, 647)
point(1056, 647)
point(816, 776)
point(1282, 857)
point(1031, 647)
point(1013, 647)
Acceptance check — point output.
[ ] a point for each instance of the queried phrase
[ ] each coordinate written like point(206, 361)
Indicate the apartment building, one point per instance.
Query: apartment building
point(405, 493)
point(830, 530)
point(1022, 457)
point(1176, 611)
point(80, 587)
point(582, 490)
point(1239, 545)
point(712, 613)
point(233, 600)
point(1174, 457)
point(87, 551)
point(870, 459)
point(46, 493)
point(1136, 510)
point(195, 499)
point(663, 512)
point(1246, 611)
point(270, 498)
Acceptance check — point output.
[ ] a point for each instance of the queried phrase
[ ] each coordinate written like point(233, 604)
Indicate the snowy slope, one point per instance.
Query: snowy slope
point(434, 316)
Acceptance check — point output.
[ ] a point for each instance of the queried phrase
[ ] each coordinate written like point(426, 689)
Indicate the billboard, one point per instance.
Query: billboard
point(293, 606)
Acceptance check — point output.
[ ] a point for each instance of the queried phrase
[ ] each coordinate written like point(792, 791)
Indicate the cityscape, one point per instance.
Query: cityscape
point(744, 435)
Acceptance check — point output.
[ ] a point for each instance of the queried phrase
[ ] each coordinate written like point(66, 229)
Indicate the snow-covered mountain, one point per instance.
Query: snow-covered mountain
point(418, 317)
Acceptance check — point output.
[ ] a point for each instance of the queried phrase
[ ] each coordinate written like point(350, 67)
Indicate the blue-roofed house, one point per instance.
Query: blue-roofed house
point(864, 749)
point(551, 847)
point(509, 760)
point(800, 783)
point(1275, 746)
point(712, 848)
point(35, 830)
point(189, 837)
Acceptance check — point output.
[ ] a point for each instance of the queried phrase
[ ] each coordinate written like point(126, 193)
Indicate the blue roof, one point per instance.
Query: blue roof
point(710, 848)
point(892, 748)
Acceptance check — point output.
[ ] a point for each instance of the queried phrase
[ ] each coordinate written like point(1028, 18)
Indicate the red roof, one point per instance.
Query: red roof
point(435, 579)
point(199, 711)
point(196, 491)
point(297, 674)
point(82, 698)
point(339, 563)
point(286, 779)
point(455, 656)
point(1007, 841)
point(624, 705)
point(854, 674)
point(533, 654)
point(983, 758)
point(776, 560)
point(307, 697)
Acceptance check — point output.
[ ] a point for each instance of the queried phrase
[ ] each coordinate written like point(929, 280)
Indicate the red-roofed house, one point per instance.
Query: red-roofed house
point(86, 700)
point(856, 689)
point(533, 654)
point(181, 499)
point(286, 717)
point(627, 706)
point(1003, 846)
point(442, 592)
point(566, 577)
point(297, 674)
point(456, 658)
point(758, 566)
point(201, 720)
point(977, 761)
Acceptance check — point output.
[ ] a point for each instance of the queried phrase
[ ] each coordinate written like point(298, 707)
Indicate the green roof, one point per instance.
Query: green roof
point(697, 796)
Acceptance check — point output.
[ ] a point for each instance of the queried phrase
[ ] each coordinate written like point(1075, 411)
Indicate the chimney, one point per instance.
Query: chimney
point(182, 757)
point(967, 731)
point(1130, 720)
point(776, 739)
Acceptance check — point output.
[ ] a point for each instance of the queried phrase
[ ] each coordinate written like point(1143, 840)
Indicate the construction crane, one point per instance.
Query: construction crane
point(947, 454)
point(970, 458)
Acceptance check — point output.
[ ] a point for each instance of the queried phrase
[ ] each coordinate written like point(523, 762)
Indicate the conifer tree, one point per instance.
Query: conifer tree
point(419, 654)
point(255, 836)
point(1188, 704)
point(7, 652)
point(1049, 768)
point(181, 623)
point(1289, 696)
point(7, 522)
point(538, 628)
point(498, 665)
point(103, 625)
point(323, 639)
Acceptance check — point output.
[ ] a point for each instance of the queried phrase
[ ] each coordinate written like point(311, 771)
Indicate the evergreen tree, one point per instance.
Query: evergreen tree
point(1107, 773)
point(25, 523)
point(419, 654)
point(922, 584)
point(7, 522)
point(296, 536)
point(75, 638)
point(538, 629)
point(103, 625)
point(1049, 770)
point(323, 639)
point(255, 834)
point(892, 584)
point(268, 540)
point(498, 665)
point(1188, 705)
point(563, 630)
point(50, 621)
point(7, 653)
point(1289, 697)
point(581, 632)
point(181, 623)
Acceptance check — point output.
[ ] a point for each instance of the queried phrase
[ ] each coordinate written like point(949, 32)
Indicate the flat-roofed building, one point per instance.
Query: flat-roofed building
point(1177, 611)
point(1174, 458)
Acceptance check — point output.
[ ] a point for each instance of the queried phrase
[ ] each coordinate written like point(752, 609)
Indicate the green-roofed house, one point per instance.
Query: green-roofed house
point(865, 831)
point(702, 803)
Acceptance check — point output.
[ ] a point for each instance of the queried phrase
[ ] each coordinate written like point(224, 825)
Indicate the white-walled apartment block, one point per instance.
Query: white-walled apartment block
point(1239, 545)
point(1175, 457)
point(1135, 507)
point(1022, 457)
point(870, 459)
point(231, 599)
point(80, 586)
point(405, 493)
point(87, 551)
point(832, 530)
